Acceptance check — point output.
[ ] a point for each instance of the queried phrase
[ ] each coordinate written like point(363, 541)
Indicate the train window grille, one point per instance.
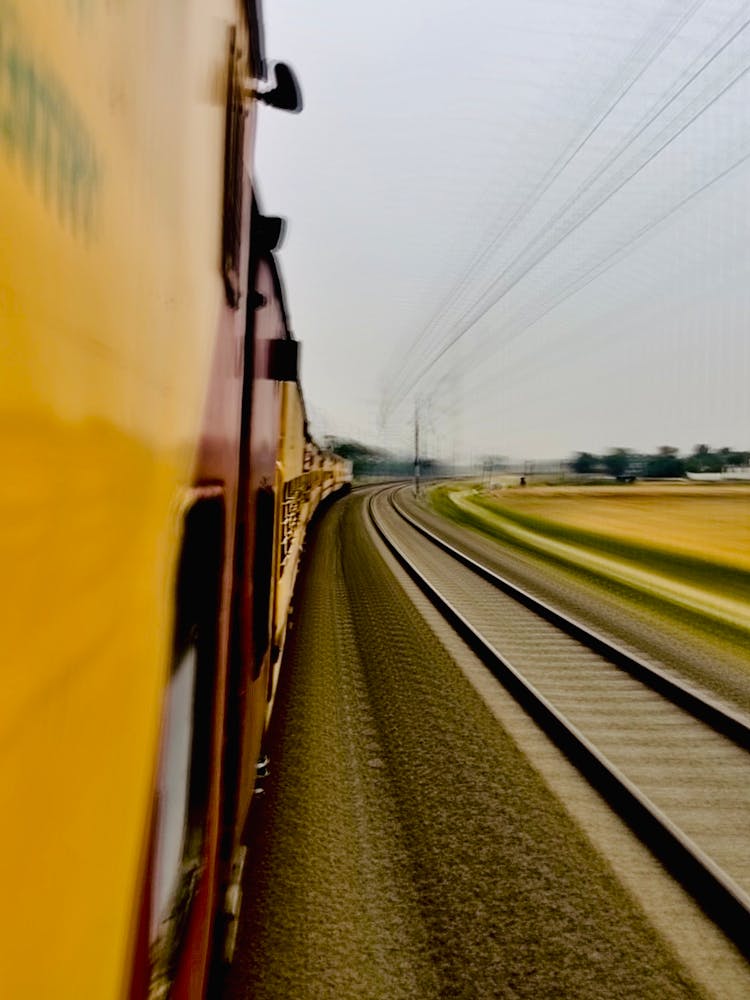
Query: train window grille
point(296, 493)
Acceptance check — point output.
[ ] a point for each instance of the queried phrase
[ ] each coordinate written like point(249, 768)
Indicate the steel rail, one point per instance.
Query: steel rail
point(719, 717)
point(726, 903)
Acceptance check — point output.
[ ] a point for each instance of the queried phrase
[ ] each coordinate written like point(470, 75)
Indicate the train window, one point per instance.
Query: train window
point(173, 787)
point(184, 777)
point(283, 360)
point(265, 512)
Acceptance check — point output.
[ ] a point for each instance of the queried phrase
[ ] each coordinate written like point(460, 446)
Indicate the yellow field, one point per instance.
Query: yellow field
point(712, 521)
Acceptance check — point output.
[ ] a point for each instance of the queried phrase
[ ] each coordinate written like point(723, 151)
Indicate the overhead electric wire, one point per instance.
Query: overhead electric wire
point(483, 309)
point(594, 177)
point(554, 172)
point(549, 178)
point(615, 256)
point(611, 259)
point(649, 120)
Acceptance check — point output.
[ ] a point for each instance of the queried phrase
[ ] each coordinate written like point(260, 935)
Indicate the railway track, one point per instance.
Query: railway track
point(673, 762)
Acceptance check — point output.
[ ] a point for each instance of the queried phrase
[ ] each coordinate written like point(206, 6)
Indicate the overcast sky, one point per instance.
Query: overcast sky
point(532, 217)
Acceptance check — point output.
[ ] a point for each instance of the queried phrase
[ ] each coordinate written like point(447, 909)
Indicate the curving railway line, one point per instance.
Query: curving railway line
point(670, 759)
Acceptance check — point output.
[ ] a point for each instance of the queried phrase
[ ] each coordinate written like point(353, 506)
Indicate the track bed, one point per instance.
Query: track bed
point(406, 847)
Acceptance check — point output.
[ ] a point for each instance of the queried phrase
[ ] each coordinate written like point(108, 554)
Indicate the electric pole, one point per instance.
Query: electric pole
point(416, 448)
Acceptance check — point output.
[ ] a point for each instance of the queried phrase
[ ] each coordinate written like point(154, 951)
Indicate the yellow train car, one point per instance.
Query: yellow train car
point(306, 476)
point(141, 405)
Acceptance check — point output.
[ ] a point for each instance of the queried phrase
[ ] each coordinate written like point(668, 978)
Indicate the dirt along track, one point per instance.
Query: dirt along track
point(406, 847)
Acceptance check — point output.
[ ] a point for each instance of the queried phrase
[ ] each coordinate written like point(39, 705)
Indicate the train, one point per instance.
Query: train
point(159, 478)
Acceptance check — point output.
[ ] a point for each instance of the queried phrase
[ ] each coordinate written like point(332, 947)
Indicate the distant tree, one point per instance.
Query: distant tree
point(617, 462)
point(584, 462)
point(667, 464)
point(365, 460)
point(730, 456)
point(705, 459)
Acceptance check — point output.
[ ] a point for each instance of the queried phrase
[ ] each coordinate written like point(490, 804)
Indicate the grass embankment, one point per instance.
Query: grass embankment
point(685, 549)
